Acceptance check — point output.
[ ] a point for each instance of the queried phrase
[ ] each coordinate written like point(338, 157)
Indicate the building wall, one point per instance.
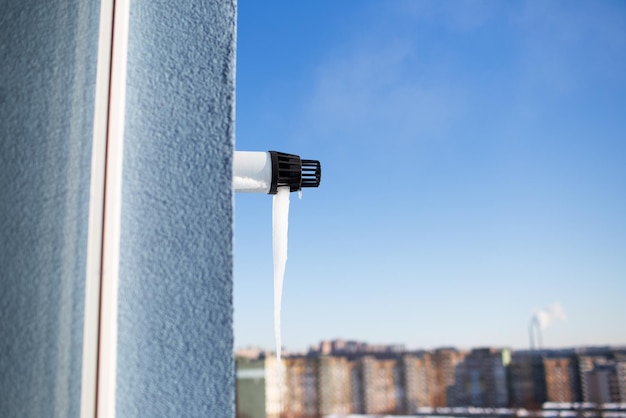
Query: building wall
point(251, 388)
point(586, 365)
point(275, 386)
point(175, 275)
point(560, 379)
point(604, 383)
point(527, 381)
point(445, 363)
point(175, 338)
point(358, 394)
point(620, 369)
point(481, 380)
point(419, 381)
point(381, 386)
point(301, 398)
point(47, 88)
point(335, 386)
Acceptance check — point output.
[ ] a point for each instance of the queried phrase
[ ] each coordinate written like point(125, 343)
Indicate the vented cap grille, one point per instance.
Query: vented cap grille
point(289, 170)
point(311, 173)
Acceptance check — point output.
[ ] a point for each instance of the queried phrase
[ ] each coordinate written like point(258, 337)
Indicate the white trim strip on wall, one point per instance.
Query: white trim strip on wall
point(103, 241)
point(96, 208)
point(107, 346)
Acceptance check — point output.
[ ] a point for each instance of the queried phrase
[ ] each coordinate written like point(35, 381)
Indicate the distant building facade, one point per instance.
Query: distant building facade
point(347, 377)
point(419, 381)
point(481, 379)
point(259, 389)
point(445, 362)
point(606, 382)
point(335, 385)
point(301, 397)
point(560, 375)
point(382, 392)
point(526, 379)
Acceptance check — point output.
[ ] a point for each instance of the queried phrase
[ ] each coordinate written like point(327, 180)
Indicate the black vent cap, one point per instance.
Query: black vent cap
point(311, 173)
point(290, 170)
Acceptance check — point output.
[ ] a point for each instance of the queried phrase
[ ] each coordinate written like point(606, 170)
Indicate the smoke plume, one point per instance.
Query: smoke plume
point(547, 316)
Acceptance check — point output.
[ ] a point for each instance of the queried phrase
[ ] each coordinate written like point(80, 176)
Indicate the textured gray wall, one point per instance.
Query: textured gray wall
point(175, 302)
point(47, 84)
point(175, 339)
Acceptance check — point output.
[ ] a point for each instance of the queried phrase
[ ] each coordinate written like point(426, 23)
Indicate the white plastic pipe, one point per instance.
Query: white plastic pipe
point(252, 171)
point(265, 172)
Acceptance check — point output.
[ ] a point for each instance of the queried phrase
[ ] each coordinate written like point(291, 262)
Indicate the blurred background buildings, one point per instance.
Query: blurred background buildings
point(343, 377)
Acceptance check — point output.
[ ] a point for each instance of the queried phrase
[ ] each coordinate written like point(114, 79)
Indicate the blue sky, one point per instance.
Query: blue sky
point(474, 169)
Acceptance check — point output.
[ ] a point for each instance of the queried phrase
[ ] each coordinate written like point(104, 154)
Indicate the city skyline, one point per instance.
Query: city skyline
point(473, 171)
point(399, 346)
point(340, 377)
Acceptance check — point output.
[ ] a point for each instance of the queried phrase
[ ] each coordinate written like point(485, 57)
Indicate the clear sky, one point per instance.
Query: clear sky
point(473, 170)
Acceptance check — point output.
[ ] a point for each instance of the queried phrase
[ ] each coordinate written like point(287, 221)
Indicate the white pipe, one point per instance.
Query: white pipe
point(252, 171)
point(265, 172)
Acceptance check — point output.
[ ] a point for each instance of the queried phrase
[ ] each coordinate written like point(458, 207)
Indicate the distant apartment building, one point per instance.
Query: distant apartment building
point(542, 376)
point(382, 392)
point(604, 383)
point(258, 388)
point(419, 381)
point(344, 347)
point(561, 379)
point(481, 379)
point(356, 380)
point(300, 399)
point(251, 388)
point(585, 365)
point(445, 362)
point(335, 390)
point(275, 387)
point(325, 348)
point(603, 376)
point(527, 384)
point(621, 379)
